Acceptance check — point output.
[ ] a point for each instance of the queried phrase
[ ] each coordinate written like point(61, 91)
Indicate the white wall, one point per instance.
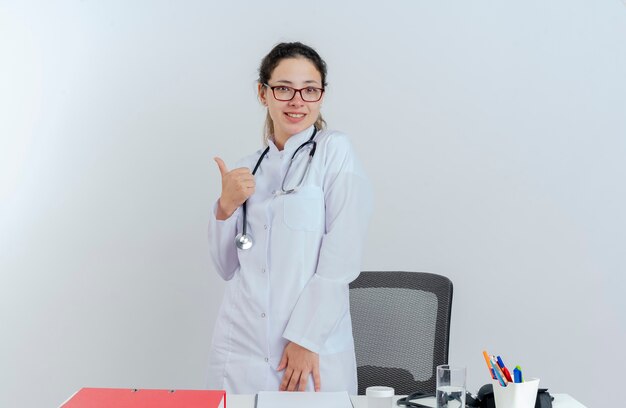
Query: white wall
point(494, 134)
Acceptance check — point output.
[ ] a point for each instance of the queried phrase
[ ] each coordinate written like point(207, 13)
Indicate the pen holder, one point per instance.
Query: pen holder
point(516, 395)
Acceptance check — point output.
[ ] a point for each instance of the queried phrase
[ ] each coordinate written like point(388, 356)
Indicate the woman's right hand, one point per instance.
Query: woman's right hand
point(237, 186)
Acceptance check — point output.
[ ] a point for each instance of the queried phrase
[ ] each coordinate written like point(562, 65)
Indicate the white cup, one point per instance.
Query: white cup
point(379, 397)
point(516, 395)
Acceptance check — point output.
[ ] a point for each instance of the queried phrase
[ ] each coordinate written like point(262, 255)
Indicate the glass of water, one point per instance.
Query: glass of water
point(450, 386)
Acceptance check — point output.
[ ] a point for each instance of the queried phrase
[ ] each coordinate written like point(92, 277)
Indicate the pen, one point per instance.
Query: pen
point(499, 373)
point(505, 370)
point(517, 374)
point(493, 375)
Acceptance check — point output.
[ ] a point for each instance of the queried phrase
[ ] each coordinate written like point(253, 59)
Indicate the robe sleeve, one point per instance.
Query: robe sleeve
point(222, 236)
point(222, 243)
point(348, 201)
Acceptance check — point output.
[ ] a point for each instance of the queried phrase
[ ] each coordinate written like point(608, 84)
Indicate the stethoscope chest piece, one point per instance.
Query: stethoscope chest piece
point(243, 241)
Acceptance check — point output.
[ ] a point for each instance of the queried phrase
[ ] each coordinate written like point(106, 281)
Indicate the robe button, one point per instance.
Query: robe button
point(267, 359)
point(262, 314)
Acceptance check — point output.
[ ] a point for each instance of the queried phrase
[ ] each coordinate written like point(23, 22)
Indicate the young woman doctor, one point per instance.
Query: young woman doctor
point(287, 234)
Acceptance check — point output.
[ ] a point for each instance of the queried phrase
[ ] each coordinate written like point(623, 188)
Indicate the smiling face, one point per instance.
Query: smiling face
point(296, 115)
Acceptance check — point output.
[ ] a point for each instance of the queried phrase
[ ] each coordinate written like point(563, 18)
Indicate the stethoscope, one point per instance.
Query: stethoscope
point(243, 240)
point(470, 400)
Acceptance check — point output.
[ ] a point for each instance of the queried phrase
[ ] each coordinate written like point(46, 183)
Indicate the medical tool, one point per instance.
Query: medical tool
point(243, 240)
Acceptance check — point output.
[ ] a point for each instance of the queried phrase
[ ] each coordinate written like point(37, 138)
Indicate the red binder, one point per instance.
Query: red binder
point(136, 398)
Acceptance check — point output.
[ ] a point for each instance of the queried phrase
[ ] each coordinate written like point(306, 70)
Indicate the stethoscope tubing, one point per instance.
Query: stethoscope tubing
point(256, 167)
point(243, 241)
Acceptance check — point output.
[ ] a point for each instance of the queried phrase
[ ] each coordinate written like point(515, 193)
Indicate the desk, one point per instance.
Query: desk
point(360, 401)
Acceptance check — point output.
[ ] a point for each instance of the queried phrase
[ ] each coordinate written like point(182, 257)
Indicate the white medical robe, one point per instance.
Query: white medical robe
point(292, 285)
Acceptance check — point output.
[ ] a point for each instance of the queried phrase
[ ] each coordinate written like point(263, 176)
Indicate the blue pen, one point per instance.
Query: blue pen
point(517, 374)
point(500, 362)
point(496, 370)
point(505, 370)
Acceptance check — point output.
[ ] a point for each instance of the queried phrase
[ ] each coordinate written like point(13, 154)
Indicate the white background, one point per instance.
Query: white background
point(494, 133)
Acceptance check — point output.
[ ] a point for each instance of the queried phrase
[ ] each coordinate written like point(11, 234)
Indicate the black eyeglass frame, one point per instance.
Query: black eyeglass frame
point(295, 91)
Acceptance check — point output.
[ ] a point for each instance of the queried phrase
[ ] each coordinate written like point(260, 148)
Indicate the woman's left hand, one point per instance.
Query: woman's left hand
point(298, 363)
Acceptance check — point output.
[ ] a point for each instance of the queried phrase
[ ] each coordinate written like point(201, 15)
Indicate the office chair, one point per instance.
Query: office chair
point(401, 328)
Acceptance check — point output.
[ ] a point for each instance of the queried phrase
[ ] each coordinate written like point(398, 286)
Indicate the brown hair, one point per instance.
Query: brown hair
point(268, 64)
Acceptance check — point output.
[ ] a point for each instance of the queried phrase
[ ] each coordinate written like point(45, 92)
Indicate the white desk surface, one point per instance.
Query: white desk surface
point(360, 401)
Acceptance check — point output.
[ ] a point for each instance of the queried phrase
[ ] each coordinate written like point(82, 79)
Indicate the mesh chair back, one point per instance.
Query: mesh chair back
point(401, 327)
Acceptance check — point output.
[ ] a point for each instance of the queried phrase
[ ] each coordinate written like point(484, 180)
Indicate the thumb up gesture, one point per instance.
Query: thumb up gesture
point(237, 186)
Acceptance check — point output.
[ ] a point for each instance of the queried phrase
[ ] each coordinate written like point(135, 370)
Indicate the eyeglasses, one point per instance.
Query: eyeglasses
point(286, 93)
